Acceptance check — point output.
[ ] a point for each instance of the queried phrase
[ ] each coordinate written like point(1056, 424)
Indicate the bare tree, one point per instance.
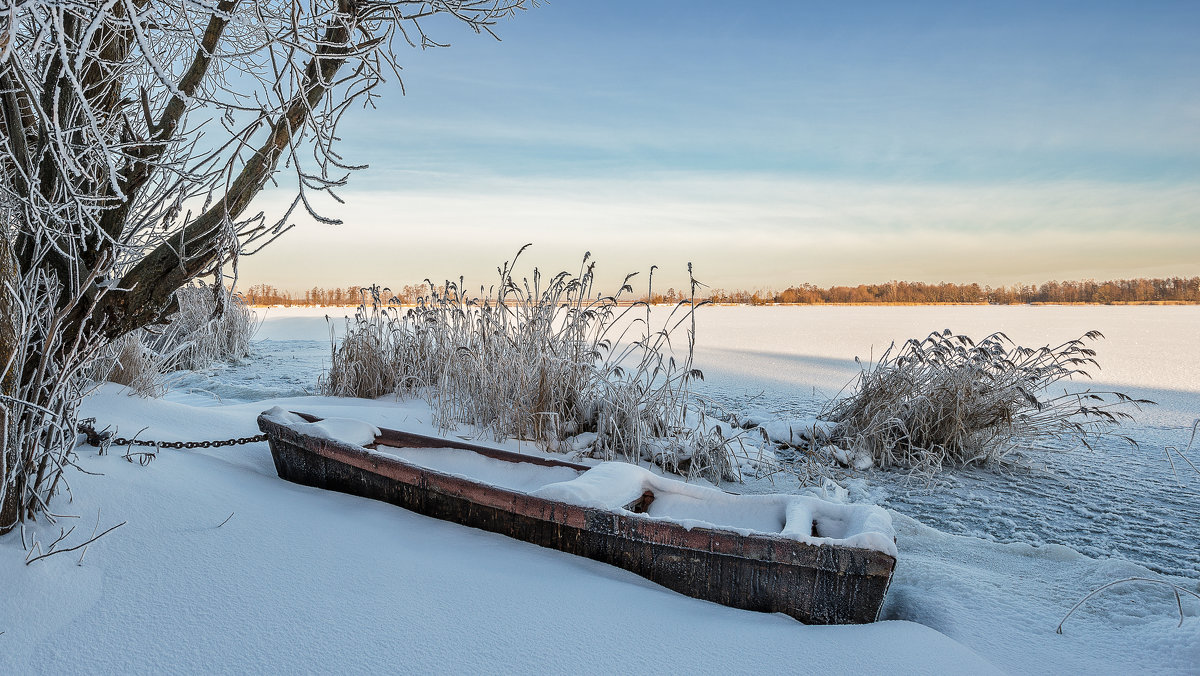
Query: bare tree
point(136, 133)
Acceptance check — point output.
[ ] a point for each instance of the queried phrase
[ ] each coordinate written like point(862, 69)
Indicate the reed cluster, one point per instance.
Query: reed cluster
point(544, 359)
point(947, 400)
point(209, 325)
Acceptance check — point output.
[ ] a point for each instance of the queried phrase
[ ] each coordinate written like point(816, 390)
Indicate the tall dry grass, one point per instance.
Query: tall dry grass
point(546, 359)
point(209, 325)
point(947, 400)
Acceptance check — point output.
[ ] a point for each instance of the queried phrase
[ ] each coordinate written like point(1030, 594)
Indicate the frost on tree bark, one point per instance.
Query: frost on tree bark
point(8, 506)
point(134, 136)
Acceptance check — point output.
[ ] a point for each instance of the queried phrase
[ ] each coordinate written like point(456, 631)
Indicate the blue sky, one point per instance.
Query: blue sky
point(776, 143)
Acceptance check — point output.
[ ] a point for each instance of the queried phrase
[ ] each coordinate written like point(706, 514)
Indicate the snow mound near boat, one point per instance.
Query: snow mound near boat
point(793, 431)
point(613, 486)
point(347, 430)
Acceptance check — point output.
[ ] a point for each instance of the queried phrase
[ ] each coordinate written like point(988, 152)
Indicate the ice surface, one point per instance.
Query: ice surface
point(780, 364)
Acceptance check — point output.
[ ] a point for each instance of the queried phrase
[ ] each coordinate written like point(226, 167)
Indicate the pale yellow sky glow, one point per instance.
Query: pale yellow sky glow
point(743, 232)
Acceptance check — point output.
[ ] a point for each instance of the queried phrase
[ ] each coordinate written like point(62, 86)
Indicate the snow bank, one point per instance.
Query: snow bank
point(349, 430)
point(612, 486)
point(793, 431)
point(1005, 600)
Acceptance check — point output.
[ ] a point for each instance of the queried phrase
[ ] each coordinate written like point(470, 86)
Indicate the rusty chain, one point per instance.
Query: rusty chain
point(100, 439)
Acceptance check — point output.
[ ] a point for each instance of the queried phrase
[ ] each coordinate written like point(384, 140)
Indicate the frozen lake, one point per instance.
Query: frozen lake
point(1114, 502)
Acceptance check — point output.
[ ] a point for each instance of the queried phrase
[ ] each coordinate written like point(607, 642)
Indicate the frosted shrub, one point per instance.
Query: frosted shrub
point(546, 360)
point(947, 400)
point(209, 326)
point(127, 361)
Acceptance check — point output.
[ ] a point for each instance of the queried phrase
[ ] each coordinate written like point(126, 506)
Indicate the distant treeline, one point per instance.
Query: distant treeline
point(1168, 290)
point(1173, 290)
point(265, 294)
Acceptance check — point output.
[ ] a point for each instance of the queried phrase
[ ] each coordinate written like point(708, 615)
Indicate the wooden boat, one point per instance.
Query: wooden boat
point(815, 582)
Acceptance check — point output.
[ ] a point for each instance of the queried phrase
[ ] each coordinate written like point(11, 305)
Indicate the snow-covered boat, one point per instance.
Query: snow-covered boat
point(815, 560)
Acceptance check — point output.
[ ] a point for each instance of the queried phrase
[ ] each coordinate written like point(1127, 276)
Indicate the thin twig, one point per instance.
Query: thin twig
point(94, 529)
point(1174, 588)
point(71, 549)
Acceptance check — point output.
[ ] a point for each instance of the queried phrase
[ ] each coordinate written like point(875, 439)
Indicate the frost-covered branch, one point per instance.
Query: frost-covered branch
point(135, 135)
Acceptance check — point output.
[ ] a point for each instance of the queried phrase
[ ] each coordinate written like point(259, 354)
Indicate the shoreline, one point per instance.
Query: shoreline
point(865, 304)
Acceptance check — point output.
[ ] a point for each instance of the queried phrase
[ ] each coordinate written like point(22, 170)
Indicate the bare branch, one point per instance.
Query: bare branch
point(53, 551)
point(135, 136)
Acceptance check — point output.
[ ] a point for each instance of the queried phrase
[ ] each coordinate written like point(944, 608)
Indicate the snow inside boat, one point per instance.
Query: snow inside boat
point(817, 561)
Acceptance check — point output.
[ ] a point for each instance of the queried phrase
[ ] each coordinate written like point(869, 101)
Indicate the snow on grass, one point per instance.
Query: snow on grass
point(793, 431)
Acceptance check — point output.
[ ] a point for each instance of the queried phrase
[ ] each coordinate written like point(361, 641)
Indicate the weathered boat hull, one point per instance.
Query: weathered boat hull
point(814, 584)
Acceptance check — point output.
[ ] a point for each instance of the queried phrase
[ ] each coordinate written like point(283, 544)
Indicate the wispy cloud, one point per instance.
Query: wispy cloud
point(750, 231)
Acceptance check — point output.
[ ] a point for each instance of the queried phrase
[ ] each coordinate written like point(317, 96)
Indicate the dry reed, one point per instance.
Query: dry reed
point(208, 326)
point(947, 400)
point(542, 359)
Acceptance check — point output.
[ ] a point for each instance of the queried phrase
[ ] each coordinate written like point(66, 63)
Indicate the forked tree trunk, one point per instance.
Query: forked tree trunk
point(91, 172)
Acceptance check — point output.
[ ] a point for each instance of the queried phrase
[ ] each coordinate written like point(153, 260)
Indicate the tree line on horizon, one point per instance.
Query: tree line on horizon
point(1140, 290)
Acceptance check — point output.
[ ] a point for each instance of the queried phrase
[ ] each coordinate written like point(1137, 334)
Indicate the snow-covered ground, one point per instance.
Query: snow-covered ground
point(301, 580)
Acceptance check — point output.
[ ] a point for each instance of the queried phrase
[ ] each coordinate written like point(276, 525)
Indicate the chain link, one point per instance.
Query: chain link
point(99, 439)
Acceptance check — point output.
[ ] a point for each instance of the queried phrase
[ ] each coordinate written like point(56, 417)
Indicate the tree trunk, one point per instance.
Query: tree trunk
point(90, 172)
point(8, 379)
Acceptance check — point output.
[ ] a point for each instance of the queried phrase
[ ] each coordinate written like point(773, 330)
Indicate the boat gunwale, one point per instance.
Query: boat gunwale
point(757, 546)
point(403, 439)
